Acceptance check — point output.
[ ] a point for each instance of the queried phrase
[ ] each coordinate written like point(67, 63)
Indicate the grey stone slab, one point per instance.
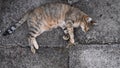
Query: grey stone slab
point(95, 56)
point(17, 57)
point(72, 1)
point(106, 14)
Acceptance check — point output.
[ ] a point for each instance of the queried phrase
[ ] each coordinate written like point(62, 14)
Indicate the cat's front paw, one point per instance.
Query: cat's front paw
point(70, 44)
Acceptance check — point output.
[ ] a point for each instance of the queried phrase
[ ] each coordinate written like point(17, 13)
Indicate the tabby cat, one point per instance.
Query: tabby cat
point(53, 15)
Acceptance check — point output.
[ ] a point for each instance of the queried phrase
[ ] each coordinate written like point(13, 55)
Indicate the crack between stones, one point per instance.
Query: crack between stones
point(18, 45)
point(108, 43)
point(68, 61)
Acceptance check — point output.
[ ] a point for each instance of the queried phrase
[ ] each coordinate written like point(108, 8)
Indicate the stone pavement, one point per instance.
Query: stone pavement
point(98, 48)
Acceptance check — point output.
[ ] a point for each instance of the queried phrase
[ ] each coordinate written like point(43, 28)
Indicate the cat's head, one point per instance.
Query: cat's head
point(86, 23)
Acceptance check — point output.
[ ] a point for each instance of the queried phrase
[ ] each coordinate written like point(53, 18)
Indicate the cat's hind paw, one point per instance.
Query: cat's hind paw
point(33, 50)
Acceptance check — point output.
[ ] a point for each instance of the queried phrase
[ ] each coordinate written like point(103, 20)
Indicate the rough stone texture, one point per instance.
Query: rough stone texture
point(107, 14)
point(95, 56)
point(14, 52)
point(17, 57)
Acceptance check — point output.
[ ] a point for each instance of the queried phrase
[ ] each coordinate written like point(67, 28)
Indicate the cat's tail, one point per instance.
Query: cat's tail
point(15, 26)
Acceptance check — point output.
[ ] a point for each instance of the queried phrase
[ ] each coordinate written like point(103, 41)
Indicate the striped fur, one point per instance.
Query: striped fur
point(52, 15)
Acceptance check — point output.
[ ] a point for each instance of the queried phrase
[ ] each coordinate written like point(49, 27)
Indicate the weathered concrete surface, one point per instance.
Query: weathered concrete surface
point(105, 12)
point(17, 57)
point(107, 15)
point(95, 56)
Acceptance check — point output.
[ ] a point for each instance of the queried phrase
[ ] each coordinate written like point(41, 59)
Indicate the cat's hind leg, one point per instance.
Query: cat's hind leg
point(34, 31)
point(33, 44)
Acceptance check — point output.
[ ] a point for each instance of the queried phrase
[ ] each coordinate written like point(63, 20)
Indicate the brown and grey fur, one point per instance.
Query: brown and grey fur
point(53, 15)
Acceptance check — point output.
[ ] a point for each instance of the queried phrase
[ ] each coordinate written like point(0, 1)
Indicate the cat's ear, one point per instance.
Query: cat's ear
point(87, 19)
point(90, 20)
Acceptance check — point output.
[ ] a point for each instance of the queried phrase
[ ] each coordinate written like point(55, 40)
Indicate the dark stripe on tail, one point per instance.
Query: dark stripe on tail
point(13, 28)
point(9, 30)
